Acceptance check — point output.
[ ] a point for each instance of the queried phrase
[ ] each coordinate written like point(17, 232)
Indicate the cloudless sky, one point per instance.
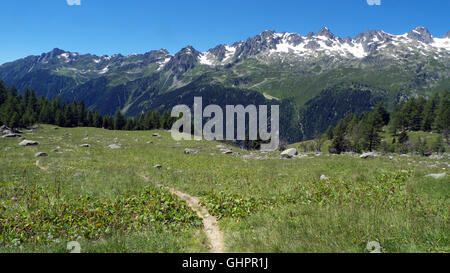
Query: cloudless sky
point(30, 27)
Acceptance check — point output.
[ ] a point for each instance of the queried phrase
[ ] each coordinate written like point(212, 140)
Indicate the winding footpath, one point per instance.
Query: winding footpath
point(210, 225)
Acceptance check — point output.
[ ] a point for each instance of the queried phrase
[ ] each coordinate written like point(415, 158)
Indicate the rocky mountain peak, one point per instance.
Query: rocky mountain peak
point(56, 52)
point(325, 32)
point(421, 34)
point(184, 60)
point(446, 35)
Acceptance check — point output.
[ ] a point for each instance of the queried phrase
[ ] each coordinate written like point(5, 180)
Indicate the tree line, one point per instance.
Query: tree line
point(23, 110)
point(356, 133)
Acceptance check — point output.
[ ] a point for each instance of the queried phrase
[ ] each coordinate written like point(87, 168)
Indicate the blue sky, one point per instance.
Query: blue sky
point(30, 27)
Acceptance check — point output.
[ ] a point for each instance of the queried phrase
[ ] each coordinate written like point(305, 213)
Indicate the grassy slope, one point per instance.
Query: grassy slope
point(271, 205)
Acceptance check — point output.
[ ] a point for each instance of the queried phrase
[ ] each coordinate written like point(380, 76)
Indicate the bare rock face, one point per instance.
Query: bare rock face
point(289, 153)
point(28, 143)
point(421, 34)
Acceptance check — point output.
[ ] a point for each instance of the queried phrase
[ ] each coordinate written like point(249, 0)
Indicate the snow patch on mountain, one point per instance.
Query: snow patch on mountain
point(104, 70)
point(442, 43)
point(162, 63)
point(205, 58)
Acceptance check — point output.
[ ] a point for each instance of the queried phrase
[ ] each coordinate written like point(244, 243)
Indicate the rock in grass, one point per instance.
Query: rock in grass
point(289, 153)
point(28, 143)
point(85, 145)
point(324, 177)
point(368, 155)
point(436, 175)
point(11, 135)
point(114, 146)
point(227, 152)
point(156, 135)
point(189, 151)
point(7, 149)
point(40, 154)
point(157, 166)
point(436, 157)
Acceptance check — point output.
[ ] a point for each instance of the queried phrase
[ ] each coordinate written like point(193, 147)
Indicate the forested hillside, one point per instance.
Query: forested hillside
point(18, 111)
point(364, 132)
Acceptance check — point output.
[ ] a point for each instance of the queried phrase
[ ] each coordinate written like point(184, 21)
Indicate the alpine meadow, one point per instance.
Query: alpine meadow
point(88, 156)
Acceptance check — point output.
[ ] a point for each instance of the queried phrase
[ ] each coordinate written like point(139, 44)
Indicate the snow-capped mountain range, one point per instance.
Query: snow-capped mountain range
point(324, 41)
point(277, 65)
point(271, 44)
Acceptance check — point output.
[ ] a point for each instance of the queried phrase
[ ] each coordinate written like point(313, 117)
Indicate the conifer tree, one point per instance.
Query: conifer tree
point(119, 120)
point(442, 123)
point(429, 113)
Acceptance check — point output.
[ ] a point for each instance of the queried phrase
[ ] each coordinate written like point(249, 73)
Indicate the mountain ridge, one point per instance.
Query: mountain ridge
point(282, 65)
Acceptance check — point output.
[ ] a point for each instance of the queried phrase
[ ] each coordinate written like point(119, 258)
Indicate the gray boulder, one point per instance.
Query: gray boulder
point(368, 155)
point(114, 146)
point(85, 145)
point(28, 143)
point(189, 151)
point(436, 157)
point(436, 175)
point(324, 177)
point(289, 153)
point(157, 166)
point(11, 135)
point(40, 154)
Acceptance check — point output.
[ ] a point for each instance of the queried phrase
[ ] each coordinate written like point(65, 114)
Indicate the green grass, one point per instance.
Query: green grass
point(271, 205)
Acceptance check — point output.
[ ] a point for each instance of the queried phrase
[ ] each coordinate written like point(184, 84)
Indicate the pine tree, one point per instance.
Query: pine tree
point(3, 92)
point(59, 118)
point(442, 122)
point(338, 145)
point(130, 124)
point(14, 122)
point(119, 120)
point(384, 114)
point(371, 128)
point(429, 113)
point(329, 133)
point(403, 137)
point(108, 122)
point(97, 120)
point(154, 120)
point(396, 123)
